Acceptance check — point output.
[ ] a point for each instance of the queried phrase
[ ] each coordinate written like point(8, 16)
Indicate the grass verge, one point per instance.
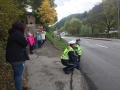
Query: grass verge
point(60, 44)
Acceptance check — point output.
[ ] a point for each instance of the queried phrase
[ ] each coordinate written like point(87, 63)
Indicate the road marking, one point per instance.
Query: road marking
point(101, 45)
point(86, 42)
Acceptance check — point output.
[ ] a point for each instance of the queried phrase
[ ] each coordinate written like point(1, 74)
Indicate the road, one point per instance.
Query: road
point(100, 63)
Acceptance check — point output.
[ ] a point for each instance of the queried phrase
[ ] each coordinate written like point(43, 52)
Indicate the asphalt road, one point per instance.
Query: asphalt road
point(100, 63)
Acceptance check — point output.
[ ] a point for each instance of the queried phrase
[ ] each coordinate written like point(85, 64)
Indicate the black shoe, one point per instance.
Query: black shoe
point(78, 68)
point(67, 72)
point(25, 88)
point(72, 69)
point(63, 69)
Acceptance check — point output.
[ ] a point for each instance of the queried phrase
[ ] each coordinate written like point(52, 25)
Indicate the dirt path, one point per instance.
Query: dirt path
point(44, 71)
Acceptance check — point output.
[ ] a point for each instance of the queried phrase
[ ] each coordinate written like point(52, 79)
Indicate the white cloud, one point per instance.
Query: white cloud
point(67, 7)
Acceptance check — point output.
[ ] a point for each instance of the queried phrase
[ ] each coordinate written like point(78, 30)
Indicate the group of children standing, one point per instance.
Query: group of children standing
point(37, 39)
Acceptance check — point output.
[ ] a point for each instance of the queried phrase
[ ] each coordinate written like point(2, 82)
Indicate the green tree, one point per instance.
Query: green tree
point(109, 13)
point(75, 26)
point(93, 18)
point(66, 25)
point(9, 13)
point(85, 30)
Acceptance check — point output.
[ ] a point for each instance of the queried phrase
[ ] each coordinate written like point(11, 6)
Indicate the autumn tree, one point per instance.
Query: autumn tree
point(9, 13)
point(37, 3)
point(46, 13)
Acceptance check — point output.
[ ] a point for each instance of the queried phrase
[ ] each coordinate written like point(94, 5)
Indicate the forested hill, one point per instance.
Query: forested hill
point(102, 18)
point(61, 23)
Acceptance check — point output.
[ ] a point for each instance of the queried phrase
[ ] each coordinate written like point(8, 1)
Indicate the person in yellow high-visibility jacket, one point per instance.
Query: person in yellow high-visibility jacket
point(79, 50)
point(68, 58)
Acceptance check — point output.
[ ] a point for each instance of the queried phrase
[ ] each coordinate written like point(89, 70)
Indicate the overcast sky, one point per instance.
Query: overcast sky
point(67, 7)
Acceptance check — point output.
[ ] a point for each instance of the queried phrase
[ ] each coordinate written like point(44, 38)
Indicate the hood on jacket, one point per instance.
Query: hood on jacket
point(17, 26)
point(11, 31)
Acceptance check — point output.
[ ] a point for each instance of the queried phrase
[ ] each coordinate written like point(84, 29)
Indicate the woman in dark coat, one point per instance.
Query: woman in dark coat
point(16, 53)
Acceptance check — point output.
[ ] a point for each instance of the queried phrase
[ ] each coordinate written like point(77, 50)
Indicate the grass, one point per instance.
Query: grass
point(60, 44)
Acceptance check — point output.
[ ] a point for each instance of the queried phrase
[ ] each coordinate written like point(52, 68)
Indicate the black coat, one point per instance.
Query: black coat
point(72, 56)
point(16, 44)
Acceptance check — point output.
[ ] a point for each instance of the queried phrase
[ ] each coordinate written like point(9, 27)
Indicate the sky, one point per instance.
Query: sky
point(67, 7)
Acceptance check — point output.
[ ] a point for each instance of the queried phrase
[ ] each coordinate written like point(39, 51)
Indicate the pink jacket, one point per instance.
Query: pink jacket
point(30, 40)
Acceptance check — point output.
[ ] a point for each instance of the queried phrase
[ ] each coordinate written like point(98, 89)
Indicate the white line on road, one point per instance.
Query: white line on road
point(101, 46)
point(86, 42)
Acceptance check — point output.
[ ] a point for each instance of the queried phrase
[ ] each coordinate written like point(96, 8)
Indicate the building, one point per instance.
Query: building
point(30, 19)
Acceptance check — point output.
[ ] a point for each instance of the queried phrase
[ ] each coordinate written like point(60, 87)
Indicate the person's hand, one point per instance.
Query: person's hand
point(77, 59)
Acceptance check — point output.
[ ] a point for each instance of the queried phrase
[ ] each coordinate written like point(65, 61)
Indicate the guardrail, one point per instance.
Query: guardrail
point(113, 35)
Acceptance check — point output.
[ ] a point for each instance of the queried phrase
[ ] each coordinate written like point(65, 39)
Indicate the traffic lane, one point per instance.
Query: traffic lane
point(111, 44)
point(102, 66)
point(108, 52)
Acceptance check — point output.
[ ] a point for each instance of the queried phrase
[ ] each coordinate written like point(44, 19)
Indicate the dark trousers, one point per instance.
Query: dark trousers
point(31, 49)
point(39, 43)
point(34, 45)
point(43, 41)
point(79, 56)
point(69, 65)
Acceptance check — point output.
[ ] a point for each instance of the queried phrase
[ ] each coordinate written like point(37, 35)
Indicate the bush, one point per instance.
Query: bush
point(6, 73)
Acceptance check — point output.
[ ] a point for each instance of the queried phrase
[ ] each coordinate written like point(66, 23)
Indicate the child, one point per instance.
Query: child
point(31, 42)
point(43, 37)
point(39, 39)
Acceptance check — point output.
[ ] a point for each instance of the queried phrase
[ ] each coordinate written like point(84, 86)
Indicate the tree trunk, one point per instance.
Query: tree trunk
point(92, 29)
point(108, 26)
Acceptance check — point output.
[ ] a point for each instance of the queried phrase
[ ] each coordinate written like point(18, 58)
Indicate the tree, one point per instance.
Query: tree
point(109, 14)
point(93, 18)
point(23, 4)
point(75, 25)
point(37, 3)
point(66, 25)
point(85, 30)
point(9, 13)
point(46, 13)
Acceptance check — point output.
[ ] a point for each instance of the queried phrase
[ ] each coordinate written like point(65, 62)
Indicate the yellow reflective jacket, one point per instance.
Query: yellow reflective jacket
point(64, 55)
point(79, 51)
